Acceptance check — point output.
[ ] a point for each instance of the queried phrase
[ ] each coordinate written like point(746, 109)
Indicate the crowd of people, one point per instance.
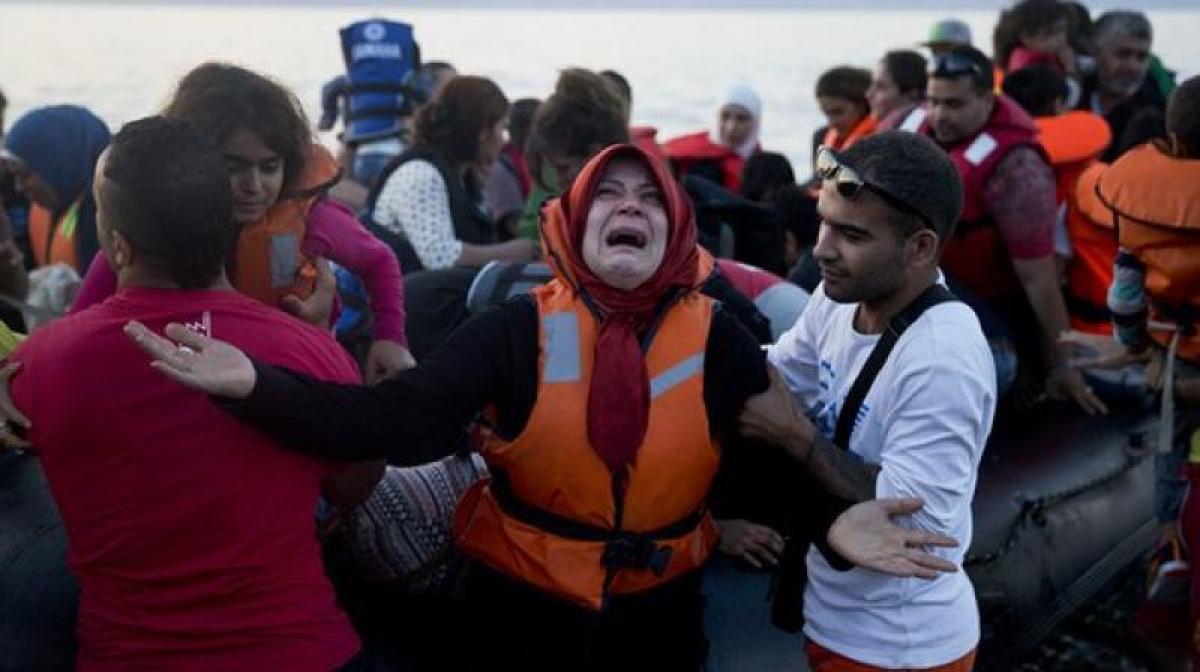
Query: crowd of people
point(495, 386)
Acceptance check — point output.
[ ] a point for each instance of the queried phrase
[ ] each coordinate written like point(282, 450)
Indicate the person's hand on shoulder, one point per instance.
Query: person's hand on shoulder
point(866, 535)
point(10, 415)
point(199, 362)
point(773, 417)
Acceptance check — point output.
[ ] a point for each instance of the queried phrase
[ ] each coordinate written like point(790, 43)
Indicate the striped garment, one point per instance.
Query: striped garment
point(403, 532)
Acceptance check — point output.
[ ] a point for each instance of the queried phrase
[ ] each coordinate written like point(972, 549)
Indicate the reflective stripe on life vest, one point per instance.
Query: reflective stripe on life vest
point(976, 253)
point(270, 262)
point(53, 241)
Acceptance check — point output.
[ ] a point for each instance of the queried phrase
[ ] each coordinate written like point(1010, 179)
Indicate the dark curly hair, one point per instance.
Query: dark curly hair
point(845, 82)
point(1025, 17)
point(217, 99)
point(450, 123)
point(583, 116)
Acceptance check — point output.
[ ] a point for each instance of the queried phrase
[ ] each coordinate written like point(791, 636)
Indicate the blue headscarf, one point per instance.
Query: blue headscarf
point(61, 144)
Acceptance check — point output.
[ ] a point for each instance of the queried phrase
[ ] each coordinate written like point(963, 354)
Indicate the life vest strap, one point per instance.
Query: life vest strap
point(622, 549)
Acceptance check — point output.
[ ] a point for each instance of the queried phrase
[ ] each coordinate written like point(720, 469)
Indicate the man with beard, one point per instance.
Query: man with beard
point(1120, 90)
point(888, 205)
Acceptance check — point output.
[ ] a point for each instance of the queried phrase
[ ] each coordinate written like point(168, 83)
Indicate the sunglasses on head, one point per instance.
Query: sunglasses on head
point(953, 65)
point(850, 184)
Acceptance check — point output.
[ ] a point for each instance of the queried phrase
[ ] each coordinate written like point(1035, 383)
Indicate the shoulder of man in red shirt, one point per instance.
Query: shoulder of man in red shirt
point(1020, 197)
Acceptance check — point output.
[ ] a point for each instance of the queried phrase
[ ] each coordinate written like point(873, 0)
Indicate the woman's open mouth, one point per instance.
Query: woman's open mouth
point(626, 237)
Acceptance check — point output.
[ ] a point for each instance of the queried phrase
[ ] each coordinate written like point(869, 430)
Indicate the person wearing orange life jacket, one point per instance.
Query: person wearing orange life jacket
point(1084, 240)
point(1002, 250)
point(279, 177)
point(52, 151)
point(841, 94)
point(1153, 195)
point(739, 121)
point(588, 540)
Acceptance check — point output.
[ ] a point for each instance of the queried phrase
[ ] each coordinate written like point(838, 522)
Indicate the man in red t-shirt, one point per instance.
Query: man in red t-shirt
point(191, 535)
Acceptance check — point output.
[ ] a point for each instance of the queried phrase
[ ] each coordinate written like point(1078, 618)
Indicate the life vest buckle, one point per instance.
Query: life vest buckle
point(632, 551)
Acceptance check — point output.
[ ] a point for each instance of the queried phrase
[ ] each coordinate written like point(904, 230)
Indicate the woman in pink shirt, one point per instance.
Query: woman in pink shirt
point(279, 177)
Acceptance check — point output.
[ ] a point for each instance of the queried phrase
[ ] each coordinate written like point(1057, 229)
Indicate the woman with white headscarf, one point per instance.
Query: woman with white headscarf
point(720, 154)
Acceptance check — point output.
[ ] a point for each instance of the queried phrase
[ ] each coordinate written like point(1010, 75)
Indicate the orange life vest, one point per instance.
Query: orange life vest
point(270, 262)
point(1072, 142)
point(53, 240)
point(864, 127)
point(549, 516)
point(1155, 201)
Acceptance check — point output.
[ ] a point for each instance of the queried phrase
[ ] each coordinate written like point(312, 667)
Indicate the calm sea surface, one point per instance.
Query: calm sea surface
point(121, 60)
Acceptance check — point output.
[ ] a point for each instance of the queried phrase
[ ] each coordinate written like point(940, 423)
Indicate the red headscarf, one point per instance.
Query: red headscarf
point(619, 397)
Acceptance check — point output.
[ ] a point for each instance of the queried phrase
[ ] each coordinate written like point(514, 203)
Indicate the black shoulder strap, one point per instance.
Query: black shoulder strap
point(931, 297)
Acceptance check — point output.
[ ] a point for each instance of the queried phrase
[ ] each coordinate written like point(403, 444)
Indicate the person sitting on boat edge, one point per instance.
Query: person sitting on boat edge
point(1073, 140)
point(598, 486)
point(1002, 250)
point(1153, 192)
point(885, 388)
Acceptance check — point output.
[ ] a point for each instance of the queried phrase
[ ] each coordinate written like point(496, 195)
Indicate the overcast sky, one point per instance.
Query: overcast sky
point(651, 4)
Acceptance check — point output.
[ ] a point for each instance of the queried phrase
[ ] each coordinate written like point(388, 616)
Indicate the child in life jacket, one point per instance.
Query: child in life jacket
point(1153, 193)
point(1073, 140)
point(279, 177)
point(841, 94)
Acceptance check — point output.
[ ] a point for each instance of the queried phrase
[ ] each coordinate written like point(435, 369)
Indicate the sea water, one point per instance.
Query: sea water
point(121, 60)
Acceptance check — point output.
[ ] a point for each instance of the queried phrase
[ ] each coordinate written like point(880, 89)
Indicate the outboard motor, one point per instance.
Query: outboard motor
point(376, 95)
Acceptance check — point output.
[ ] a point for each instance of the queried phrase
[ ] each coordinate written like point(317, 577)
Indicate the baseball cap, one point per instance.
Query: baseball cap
point(948, 31)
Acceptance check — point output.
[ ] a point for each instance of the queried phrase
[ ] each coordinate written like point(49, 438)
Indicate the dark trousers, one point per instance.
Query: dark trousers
point(510, 626)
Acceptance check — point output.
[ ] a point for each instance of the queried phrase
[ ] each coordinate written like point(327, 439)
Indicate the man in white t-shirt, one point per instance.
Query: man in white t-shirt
point(888, 204)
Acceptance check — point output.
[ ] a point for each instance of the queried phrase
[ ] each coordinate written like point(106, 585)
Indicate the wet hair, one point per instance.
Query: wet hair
point(167, 190)
point(1027, 16)
point(845, 82)
point(764, 174)
point(451, 123)
point(217, 99)
point(1036, 88)
point(907, 70)
point(580, 118)
point(1121, 23)
point(1183, 117)
point(983, 79)
point(912, 168)
point(520, 121)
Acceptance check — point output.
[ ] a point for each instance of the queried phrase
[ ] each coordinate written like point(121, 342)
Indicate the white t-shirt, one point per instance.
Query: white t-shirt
point(925, 421)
